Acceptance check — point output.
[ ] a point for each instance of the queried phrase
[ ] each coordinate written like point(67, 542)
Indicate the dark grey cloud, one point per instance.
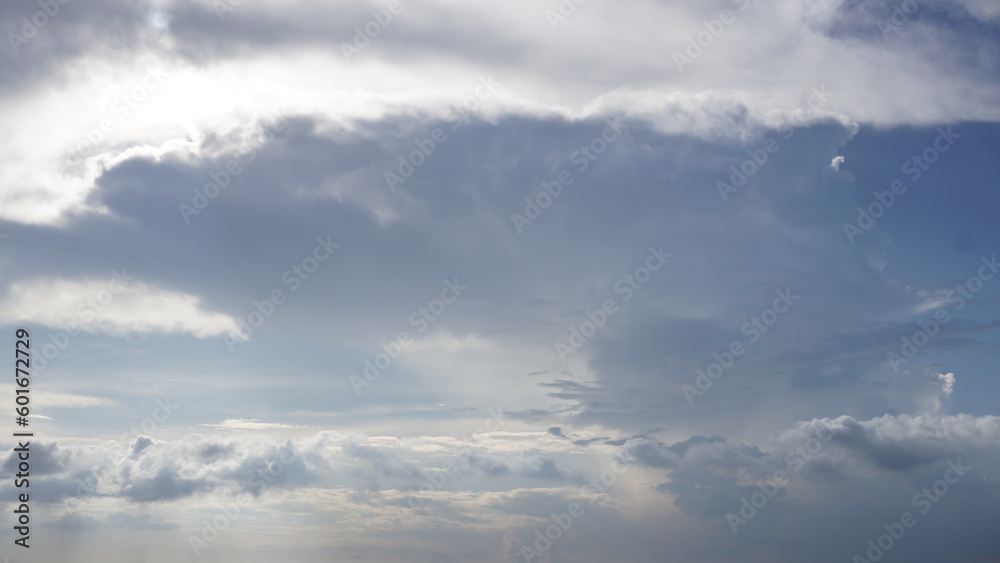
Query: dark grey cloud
point(44, 458)
point(534, 466)
point(166, 484)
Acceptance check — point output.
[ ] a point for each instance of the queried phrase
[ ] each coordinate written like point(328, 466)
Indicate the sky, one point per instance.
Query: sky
point(528, 281)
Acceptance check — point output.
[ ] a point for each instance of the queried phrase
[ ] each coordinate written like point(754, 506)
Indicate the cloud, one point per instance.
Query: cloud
point(206, 157)
point(117, 307)
point(741, 81)
point(57, 400)
point(527, 465)
point(980, 9)
point(702, 478)
point(164, 485)
point(250, 424)
point(901, 443)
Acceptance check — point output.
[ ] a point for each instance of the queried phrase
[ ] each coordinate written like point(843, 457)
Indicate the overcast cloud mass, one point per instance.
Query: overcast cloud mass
point(464, 281)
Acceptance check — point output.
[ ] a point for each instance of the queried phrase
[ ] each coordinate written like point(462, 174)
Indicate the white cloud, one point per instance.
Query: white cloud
point(239, 424)
point(738, 80)
point(117, 306)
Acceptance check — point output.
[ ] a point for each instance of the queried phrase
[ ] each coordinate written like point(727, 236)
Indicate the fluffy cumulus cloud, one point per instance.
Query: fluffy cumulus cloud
point(396, 490)
point(444, 281)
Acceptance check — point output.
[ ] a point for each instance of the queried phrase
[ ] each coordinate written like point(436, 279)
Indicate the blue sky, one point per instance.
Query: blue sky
point(452, 281)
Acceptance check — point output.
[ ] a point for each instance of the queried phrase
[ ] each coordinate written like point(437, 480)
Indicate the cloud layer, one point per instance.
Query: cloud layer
point(452, 281)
